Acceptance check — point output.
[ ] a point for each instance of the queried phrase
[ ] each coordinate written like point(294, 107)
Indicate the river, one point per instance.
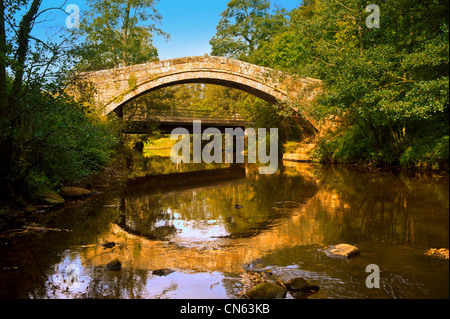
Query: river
point(184, 219)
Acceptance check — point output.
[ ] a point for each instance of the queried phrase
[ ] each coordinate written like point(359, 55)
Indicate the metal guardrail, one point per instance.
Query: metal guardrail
point(178, 113)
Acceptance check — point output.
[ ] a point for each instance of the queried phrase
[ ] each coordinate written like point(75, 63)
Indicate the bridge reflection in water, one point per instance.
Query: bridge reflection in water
point(189, 224)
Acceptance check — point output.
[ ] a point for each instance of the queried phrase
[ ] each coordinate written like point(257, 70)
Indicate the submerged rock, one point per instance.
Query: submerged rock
point(53, 201)
point(300, 289)
point(344, 250)
point(296, 284)
point(74, 192)
point(109, 245)
point(114, 265)
point(163, 272)
point(48, 197)
point(267, 290)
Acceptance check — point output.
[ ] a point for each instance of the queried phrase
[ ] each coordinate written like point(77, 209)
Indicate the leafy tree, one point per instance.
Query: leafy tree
point(244, 26)
point(46, 138)
point(285, 50)
point(388, 86)
point(247, 31)
point(119, 33)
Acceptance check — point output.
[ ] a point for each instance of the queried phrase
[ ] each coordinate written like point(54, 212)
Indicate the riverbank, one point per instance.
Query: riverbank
point(46, 201)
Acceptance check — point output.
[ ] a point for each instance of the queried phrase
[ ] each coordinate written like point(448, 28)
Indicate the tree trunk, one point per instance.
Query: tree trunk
point(11, 111)
point(4, 156)
point(125, 35)
point(3, 56)
point(23, 38)
point(360, 23)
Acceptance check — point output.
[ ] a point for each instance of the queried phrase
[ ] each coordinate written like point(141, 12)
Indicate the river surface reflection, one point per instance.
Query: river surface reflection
point(186, 220)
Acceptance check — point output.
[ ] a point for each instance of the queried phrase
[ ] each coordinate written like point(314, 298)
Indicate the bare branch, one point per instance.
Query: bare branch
point(53, 8)
point(345, 6)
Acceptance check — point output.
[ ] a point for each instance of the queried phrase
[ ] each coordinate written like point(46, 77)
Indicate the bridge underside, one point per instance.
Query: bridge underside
point(166, 127)
point(234, 85)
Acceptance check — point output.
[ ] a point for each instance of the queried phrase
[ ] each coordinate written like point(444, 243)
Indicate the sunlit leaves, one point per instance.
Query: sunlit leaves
point(244, 26)
point(119, 33)
point(387, 85)
point(46, 138)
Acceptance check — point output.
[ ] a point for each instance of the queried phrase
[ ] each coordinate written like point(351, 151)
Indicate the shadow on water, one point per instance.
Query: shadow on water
point(212, 226)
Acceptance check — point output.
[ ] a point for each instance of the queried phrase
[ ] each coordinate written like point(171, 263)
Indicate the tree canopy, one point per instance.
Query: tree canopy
point(47, 138)
point(388, 86)
point(244, 26)
point(119, 33)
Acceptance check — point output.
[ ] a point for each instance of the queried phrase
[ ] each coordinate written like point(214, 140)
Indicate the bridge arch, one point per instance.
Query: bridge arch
point(116, 87)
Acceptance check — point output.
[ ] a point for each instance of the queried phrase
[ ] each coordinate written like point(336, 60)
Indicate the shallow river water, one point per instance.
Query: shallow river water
point(185, 220)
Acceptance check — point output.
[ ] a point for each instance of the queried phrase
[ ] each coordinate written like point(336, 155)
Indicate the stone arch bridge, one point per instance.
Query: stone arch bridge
point(116, 87)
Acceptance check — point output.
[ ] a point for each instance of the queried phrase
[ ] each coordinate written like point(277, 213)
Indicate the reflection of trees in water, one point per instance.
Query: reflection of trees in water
point(34, 256)
point(102, 284)
point(148, 228)
point(346, 205)
point(380, 206)
point(141, 166)
point(125, 284)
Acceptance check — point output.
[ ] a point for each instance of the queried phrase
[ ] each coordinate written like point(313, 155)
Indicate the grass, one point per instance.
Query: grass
point(164, 142)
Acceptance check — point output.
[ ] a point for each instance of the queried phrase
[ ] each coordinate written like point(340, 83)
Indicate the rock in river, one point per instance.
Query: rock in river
point(162, 272)
point(300, 289)
point(297, 284)
point(267, 290)
point(114, 265)
point(53, 201)
point(343, 250)
point(74, 192)
point(48, 197)
point(438, 253)
point(109, 245)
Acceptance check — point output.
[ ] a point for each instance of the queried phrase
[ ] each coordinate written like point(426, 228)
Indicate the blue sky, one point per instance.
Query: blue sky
point(190, 23)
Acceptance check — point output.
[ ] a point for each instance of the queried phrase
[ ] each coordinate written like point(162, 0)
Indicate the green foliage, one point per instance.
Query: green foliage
point(59, 143)
point(386, 86)
point(118, 33)
point(46, 138)
point(430, 152)
point(244, 26)
point(213, 99)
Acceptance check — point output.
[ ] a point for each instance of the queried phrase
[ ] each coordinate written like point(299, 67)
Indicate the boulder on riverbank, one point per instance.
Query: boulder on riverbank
point(74, 192)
